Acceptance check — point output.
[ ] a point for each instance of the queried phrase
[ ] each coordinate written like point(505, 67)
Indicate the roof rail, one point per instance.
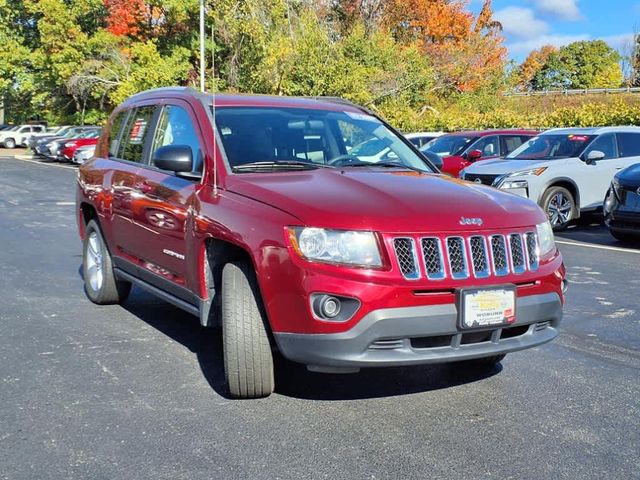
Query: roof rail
point(339, 101)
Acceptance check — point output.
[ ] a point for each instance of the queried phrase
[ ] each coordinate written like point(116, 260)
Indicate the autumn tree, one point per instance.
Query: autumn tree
point(467, 53)
point(585, 64)
point(532, 65)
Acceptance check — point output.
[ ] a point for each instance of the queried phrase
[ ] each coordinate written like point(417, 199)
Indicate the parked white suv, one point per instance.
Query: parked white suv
point(566, 171)
point(17, 136)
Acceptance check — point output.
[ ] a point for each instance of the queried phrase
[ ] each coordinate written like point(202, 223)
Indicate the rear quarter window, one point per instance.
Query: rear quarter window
point(114, 133)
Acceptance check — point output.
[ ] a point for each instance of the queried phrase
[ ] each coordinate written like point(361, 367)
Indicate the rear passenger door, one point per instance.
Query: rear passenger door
point(164, 199)
point(510, 143)
point(129, 139)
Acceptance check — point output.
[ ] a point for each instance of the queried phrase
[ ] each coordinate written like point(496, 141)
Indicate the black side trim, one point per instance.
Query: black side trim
point(157, 281)
point(192, 309)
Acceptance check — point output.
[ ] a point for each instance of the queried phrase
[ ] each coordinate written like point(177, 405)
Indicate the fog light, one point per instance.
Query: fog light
point(335, 308)
point(330, 307)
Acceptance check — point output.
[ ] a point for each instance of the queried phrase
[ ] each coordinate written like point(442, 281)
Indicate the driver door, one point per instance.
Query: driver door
point(596, 176)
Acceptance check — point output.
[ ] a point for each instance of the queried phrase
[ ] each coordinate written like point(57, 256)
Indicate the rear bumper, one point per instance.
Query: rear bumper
point(420, 335)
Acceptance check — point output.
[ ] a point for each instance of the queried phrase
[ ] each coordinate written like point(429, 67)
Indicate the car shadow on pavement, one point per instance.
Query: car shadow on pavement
point(590, 228)
point(292, 379)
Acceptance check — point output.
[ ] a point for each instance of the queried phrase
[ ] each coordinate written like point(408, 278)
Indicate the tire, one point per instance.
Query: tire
point(624, 237)
point(9, 143)
point(100, 283)
point(248, 361)
point(560, 206)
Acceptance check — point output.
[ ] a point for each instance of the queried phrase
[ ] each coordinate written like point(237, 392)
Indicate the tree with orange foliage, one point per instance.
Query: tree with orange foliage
point(125, 17)
point(532, 65)
point(467, 53)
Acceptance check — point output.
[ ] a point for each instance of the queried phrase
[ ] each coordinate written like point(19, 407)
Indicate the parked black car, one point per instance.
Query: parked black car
point(622, 205)
point(40, 147)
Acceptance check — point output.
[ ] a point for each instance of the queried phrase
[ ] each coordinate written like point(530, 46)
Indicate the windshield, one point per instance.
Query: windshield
point(291, 137)
point(89, 134)
point(551, 147)
point(449, 145)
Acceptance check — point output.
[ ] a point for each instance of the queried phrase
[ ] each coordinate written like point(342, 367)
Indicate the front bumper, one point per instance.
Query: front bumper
point(421, 335)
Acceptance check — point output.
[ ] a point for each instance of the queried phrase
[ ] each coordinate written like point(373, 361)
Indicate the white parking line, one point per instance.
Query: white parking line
point(30, 160)
point(598, 247)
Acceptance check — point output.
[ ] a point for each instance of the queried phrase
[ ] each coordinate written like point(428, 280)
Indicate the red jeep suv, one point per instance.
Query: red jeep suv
point(262, 222)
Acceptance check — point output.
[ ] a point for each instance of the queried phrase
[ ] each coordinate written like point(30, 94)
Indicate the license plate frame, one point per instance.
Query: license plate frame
point(466, 295)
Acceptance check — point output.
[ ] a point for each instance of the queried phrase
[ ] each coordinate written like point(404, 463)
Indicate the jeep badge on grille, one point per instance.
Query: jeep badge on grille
point(471, 221)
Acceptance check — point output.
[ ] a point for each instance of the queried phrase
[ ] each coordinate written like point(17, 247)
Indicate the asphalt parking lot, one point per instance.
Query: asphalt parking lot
point(136, 391)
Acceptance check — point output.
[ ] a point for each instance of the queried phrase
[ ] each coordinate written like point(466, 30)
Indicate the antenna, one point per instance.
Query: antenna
point(213, 109)
point(202, 40)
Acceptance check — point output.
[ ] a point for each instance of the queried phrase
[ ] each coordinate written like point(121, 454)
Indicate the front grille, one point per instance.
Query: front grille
point(433, 260)
point(499, 254)
point(532, 250)
point(517, 253)
point(457, 257)
point(478, 178)
point(406, 255)
point(462, 257)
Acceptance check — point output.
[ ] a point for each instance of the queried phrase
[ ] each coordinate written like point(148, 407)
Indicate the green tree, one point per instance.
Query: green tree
point(586, 64)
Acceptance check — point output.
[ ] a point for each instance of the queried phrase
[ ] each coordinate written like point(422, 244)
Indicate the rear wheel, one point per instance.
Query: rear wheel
point(10, 143)
point(100, 283)
point(248, 361)
point(559, 205)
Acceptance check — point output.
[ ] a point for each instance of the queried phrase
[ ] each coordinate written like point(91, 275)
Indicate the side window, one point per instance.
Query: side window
point(511, 142)
point(629, 144)
point(604, 143)
point(135, 134)
point(489, 146)
point(176, 128)
point(114, 132)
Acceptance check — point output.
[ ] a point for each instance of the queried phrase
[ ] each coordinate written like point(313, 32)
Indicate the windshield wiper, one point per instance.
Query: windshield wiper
point(383, 165)
point(278, 165)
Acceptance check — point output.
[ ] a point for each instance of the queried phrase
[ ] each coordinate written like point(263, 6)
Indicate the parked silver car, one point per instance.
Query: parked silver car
point(82, 154)
point(566, 171)
point(17, 136)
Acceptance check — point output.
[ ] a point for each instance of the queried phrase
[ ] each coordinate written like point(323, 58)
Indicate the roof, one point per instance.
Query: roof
point(236, 100)
point(591, 130)
point(484, 133)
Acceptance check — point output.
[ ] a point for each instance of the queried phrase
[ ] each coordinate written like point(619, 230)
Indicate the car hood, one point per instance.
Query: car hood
point(504, 166)
point(399, 201)
point(630, 176)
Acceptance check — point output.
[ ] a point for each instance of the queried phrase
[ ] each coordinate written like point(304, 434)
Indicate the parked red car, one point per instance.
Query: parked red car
point(272, 229)
point(70, 147)
point(460, 149)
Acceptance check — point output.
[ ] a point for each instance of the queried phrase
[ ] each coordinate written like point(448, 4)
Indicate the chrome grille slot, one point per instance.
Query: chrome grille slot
point(499, 255)
point(532, 250)
point(457, 257)
point(479, 260)
point(432, 257)
point(406, 255)
point(517, 253)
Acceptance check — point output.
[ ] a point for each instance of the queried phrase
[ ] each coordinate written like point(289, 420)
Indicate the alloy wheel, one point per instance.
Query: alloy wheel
point(95, 262)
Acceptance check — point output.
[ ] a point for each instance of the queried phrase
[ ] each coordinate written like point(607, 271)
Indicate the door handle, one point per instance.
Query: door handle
point(144, 187)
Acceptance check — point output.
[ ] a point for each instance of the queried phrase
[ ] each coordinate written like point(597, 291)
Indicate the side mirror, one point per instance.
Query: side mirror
point(175, 158)
point(474, 155)
point(594, 156)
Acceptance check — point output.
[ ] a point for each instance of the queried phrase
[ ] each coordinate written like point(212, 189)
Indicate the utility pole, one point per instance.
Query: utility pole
point(202, 40)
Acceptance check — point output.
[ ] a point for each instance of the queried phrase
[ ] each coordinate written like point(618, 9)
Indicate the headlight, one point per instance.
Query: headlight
point(71, 144)
point(336, 246)
point(546, 240)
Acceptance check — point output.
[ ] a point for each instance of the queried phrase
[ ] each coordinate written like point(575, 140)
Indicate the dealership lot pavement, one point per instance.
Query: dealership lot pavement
point(137, 391)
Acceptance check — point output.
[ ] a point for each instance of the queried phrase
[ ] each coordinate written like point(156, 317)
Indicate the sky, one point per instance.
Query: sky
point(530, 24)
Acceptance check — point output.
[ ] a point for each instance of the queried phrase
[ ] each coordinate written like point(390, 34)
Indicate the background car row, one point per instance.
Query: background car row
point(569, 172)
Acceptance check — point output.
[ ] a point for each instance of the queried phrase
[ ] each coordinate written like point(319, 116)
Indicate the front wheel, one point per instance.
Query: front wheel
point(100, 283)
point(560, 206)
point(248, 361)
point(624, 237)
point(10, 143)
